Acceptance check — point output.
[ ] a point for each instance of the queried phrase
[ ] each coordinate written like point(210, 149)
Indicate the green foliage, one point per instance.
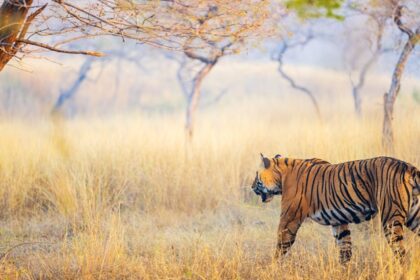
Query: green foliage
point(315, 8)
point(416, 95)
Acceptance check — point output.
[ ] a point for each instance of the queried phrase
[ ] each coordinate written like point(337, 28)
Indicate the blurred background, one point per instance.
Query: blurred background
point(136, 78)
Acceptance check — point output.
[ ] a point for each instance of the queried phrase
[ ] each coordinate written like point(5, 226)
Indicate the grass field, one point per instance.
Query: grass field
point(117, 197)
point(122, 197)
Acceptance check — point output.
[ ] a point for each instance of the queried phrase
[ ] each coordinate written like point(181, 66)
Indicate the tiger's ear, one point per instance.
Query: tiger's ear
point(277, 156)
point(265, 161)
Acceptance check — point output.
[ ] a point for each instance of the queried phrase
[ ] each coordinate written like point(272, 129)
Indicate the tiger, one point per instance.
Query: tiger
point(337, 195)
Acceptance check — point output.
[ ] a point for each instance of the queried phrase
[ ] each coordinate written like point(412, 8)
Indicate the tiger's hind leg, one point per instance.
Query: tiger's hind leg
point(395, 204)
point(343, 240)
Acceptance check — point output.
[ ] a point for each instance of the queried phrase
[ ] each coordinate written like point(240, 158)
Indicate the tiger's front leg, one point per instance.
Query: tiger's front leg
point(287, 231)
point(394, 216)
point(343, 240)
point(394, 233)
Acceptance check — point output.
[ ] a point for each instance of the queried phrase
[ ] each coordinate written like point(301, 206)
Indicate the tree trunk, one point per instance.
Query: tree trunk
point(194, 98)
point(357, 101)
point(314, 102)
point(12, 26)
point(391, 95)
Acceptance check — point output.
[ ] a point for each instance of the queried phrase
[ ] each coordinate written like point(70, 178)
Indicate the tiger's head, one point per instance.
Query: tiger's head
point(267, 182)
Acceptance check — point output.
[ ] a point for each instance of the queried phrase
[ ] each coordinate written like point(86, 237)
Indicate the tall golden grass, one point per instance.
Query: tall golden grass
point(117, 197)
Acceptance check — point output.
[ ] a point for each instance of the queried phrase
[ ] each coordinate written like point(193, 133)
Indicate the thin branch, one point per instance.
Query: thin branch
point(51, 48)
point(303, 89)
point(85, 12)
point(293, 84)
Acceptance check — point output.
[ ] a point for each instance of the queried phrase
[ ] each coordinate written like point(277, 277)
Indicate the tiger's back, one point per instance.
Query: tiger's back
point(351, 192)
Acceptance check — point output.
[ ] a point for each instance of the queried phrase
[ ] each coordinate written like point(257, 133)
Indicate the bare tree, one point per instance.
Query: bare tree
point(391, 95)
point(215, 29)
point(194, 91)
point(279, 57)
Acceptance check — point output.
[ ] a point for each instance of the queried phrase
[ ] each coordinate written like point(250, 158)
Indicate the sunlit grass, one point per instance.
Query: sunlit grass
point(122, 198)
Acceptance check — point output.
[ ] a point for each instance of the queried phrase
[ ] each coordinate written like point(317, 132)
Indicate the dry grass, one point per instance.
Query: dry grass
point(117, 198)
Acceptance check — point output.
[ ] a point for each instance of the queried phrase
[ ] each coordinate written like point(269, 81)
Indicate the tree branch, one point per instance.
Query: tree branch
point(280, 55)
point(401, 26)
point(54, 49)
point(64, 3)
point(192, 55)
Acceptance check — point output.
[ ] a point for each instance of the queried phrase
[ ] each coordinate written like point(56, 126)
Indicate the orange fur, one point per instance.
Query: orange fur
point(339, 194)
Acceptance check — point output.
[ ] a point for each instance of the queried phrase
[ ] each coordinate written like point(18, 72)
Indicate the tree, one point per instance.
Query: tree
point(194, 96)
point(411, 28)
point(206, 32)
point(191, 87)
point(193, 91)
point(413, 39)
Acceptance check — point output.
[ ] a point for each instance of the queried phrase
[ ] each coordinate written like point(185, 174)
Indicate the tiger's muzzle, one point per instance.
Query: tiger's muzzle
point(265, 193)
